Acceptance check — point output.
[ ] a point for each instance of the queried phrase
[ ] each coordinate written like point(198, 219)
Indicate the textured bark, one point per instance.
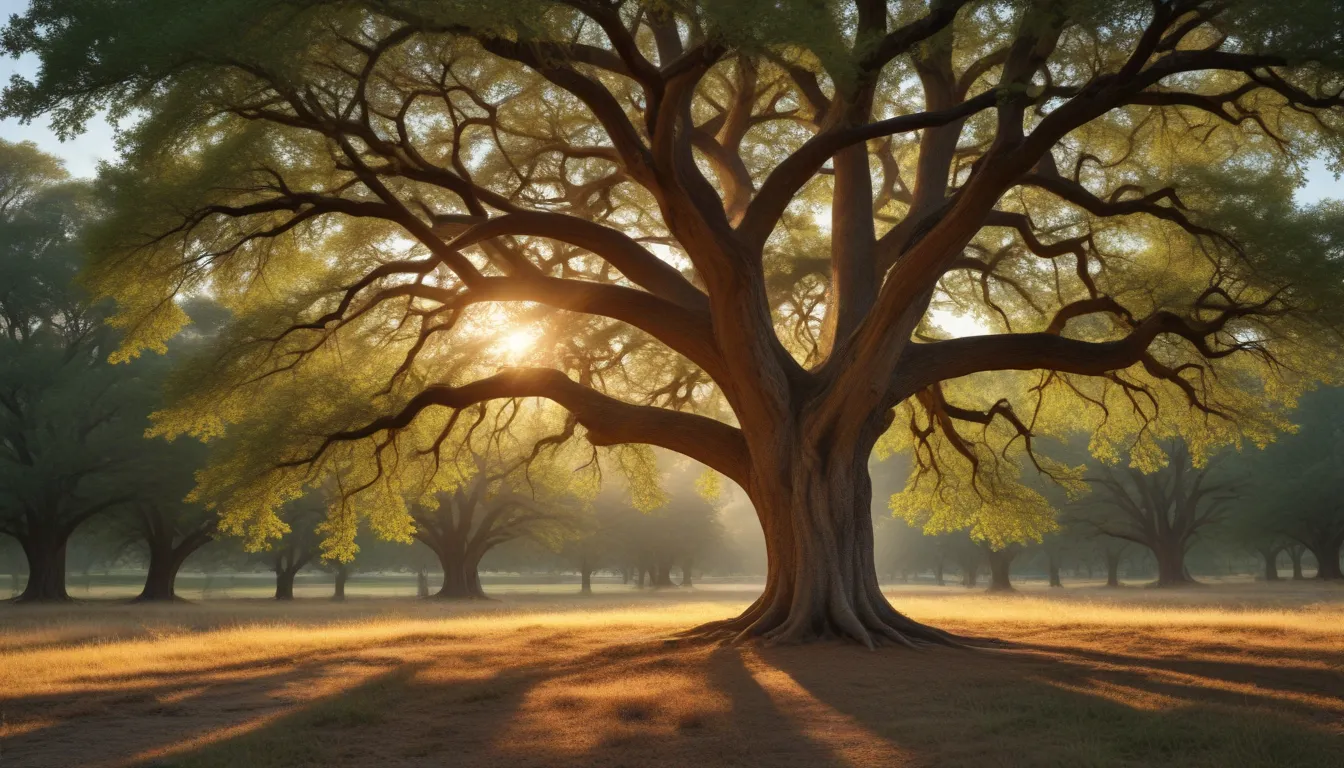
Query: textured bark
point(460, 578)
point(165, 560)
point(821, 581)
point(284, 583)
point(46, 567)
point(1271, 561)
point(1171, 570)
point(1000, 567)
point(160, 579)
point(342, 574)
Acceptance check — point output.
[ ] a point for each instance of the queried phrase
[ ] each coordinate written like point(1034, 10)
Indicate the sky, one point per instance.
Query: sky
point(82, 154)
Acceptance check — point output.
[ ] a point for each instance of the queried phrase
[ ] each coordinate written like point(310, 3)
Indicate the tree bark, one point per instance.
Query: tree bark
point(1271, 558)
point(1000, 565)
point(1295, 554)
point(1113, 569)
point(1327, 564)
point(662, 576)
point(1171, 570)
point(342, 574)
point(46, 567)
point(284, 583)
point(161, 577)
point(460, 578)
point(165, 560)
point(821, 580)
point(585, 578)
point(421, 584)
point(686, 574)
point(938, 573)
point(1053, 566)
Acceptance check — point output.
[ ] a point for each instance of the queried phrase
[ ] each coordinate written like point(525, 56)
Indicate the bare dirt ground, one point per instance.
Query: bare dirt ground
point(1244, 675)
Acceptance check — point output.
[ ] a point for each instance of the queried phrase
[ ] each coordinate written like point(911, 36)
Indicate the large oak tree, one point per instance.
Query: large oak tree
point(733, 229)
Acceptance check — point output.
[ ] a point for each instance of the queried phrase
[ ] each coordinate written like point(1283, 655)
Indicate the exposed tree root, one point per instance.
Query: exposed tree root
point(871, 623)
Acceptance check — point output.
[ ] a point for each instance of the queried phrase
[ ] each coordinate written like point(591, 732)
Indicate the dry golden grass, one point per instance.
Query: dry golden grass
point(1248, 675)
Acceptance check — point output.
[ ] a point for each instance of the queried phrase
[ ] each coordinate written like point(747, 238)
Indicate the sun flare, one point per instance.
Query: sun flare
point(516, 344)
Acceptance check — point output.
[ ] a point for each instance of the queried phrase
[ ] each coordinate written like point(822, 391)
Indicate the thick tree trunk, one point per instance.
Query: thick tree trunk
point(686, 574)
point(1271, 558)
point(1171, 570)
point(1327, 564)
point(1112, 569)
point(165, 560)
point(421, 584)
point(460, 578)
point(284, 583)
point(46, 568)
point(938, 573)
point(1000, 565)
point(821, 580)
point(1295, 554)
point(1053, 565)
point(585, 578)
point(970, 575)
point(163, 567)
point(662, 576)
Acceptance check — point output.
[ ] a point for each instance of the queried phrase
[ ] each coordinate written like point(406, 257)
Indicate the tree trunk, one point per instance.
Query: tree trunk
point(970, 575)
point(460, 579)
point(165, 560)
point(639, 581)
point(1171, 570)
point(585, 578)
point(1053, 566)
point(1112, 569)
point(342, 573)
point(1000, 564)
point(46, 568)
point(1271, 557)
point(1327, 564)
point(284, 583)
point(686, 574)
point(1295, 554)
point(938, 573)
point(821, 579)
point(421, 584)
point(163, 567)
point(662, 576)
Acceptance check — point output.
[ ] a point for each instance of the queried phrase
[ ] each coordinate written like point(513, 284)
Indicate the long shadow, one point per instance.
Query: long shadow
point(1027, 708)
point(554, 701)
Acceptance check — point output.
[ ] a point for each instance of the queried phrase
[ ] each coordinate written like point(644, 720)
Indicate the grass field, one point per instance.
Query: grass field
point(1229, 675)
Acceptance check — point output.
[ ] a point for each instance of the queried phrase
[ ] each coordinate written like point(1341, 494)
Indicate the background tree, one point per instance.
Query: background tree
point(492, 508)
point(1163, 511)
point(1296, 485)
point(71, 423)
point(722, 228)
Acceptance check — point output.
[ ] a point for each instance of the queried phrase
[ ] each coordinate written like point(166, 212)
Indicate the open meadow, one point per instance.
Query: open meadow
point(1240, 674)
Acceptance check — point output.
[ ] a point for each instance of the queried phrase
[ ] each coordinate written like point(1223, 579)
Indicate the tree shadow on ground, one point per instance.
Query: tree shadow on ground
point(541, 697)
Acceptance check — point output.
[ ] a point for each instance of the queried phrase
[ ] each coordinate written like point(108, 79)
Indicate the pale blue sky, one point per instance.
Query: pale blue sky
point(82, 153)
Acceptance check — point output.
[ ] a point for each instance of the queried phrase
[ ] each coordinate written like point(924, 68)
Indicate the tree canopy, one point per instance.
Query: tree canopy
point(735, 230)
